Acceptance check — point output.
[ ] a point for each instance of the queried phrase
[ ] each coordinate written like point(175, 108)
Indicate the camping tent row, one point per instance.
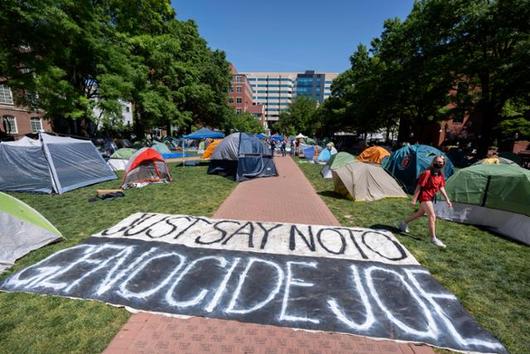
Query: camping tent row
point(496, 196)
point(22, 230)
point(242, 156)
point(51, 164)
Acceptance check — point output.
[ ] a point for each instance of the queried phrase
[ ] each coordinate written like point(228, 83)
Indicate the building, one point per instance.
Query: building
point(276, 90)
point(16, 121)
point(241, 96)
point(126, 118)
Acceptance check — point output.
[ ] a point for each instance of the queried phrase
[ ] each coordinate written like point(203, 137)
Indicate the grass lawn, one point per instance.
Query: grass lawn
point(490, 275)
point(46, 324)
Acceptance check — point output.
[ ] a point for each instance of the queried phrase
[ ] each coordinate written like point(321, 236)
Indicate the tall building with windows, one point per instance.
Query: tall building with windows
point(16, 121)
point(241, 96)
point(276, 90)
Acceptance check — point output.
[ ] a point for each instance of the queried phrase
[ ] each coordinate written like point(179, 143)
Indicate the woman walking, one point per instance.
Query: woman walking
point(430, 182)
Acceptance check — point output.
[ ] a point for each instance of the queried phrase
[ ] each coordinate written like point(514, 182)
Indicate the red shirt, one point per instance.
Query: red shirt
point(430, 185)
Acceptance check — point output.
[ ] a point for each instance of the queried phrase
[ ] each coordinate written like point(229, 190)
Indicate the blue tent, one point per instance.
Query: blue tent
point(324, 155)
point(205, 133)
point(261, 136)
point(277, 137)
point(407, 163)
point(309, 153)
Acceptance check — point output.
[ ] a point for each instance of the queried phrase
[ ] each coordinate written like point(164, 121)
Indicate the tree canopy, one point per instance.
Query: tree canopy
point(66, 57)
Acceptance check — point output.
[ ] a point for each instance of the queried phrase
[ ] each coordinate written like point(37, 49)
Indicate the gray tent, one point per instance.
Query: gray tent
point(365, 182)
point(51, 164)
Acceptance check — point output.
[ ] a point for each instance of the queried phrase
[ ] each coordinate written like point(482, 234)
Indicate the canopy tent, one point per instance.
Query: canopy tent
point(325, 155)
point(51, 164)
point(407, 163)
point(205, 133)
point(277, 137)
point(146, 166)
point(373, 154)
point(366, 182)
point(211, 148)
point(495, 196)
point(118, 160)
point(336, 161)
point(23, 229)
point(242, 156)
point(300, 136)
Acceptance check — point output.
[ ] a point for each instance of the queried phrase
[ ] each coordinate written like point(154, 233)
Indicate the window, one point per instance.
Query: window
point(5, 95)
point(230, 100)
point(36, 124)
point(238, 89)
point(239, 100)
point(127, 109)
point(238, 111)
point(10, 124)
point(231, 89)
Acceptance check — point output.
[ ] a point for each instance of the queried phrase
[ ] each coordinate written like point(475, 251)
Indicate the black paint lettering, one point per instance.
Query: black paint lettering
point(292, 238)
point(216, 227)
point(402, 253)
point(342, 240)
point(266, 233)
point(249, 233)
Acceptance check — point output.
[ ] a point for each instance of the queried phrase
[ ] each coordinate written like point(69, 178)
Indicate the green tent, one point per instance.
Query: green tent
point(161, 148)
point(123, 153)
point(22, 230)
point(336, 161)
point(496, 196)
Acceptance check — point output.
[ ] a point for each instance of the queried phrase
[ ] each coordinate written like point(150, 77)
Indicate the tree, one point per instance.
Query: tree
point(299, 117)
point(242, 122)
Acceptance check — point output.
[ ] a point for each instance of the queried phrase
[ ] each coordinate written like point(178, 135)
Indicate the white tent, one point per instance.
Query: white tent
point(51, 164)
point(365, 182)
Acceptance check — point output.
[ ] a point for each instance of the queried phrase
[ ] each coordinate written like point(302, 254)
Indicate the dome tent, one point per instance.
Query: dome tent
point(336, 161)
point(494, 196)
point(23, 229)
point(242, 156)
point(373, 154)
point(406, 164)
point(211, 148)
point(365, 182)
point(325, 155)
point(51, 164)
point(146, 166)
point(118, 160)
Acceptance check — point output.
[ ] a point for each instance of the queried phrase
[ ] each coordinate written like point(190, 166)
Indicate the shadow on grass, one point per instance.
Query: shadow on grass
point(331, 194)
point(395, 230)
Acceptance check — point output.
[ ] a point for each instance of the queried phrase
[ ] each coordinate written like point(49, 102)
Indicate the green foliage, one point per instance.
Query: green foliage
point(489, 274)
point(242, 122)
point(33, 323)
point(477, 50)
point(65, 57)
point(299, 117)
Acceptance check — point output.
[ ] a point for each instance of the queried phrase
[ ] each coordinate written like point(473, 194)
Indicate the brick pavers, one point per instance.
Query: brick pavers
point(286, 198)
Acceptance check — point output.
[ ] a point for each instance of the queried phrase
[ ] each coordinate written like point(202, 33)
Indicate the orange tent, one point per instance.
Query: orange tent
point(211, 148)
point(373, 154)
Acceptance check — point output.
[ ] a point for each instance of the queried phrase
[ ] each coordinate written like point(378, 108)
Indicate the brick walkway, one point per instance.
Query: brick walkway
point(286, 198)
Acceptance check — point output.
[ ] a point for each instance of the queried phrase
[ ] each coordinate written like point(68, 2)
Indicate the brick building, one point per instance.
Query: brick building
point(240, 96)
point(16, 121)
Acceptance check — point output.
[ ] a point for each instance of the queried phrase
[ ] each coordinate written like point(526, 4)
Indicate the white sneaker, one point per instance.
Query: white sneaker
point(403, 227)
point(438, 243)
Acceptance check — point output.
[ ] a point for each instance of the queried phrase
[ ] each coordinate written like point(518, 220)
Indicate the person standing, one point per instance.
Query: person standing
point(273, 146)
point(283, 147)
point(430, 182)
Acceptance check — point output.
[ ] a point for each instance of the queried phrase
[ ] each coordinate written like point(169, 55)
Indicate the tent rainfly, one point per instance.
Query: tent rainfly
point(22, 230)
point(336, 161)
point(51, 164)
point(242, 156)
point(373, 154)
point(118, 160)
point(494, 196)
point(211, 148)
point(366, 182)
point(144, 167)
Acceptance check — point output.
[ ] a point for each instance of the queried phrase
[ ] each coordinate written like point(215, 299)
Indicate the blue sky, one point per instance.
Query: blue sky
point(290, 35)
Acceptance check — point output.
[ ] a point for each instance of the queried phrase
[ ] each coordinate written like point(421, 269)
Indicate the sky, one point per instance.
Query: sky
point(290, 35)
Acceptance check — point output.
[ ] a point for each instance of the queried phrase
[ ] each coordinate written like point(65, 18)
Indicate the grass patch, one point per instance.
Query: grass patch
point(490, 275)
point(45, 324)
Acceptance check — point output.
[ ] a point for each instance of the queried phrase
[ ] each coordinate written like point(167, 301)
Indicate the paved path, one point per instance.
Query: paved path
point(286, 198)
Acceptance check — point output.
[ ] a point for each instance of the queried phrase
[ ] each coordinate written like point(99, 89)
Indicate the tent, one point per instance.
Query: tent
point(242, 156)
point(325, 155)
point(300, 136)
point(335, 162)
point(22, 230)
point(211, 148)
point(366, 182)
point(407, 163)
point(494, 196)
point(51, 164)
point(118, 160)
point(261, 136)
point(146, 166)
point(495, 161)
point(205, 133)
point(277, 137)
point(373, 154)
